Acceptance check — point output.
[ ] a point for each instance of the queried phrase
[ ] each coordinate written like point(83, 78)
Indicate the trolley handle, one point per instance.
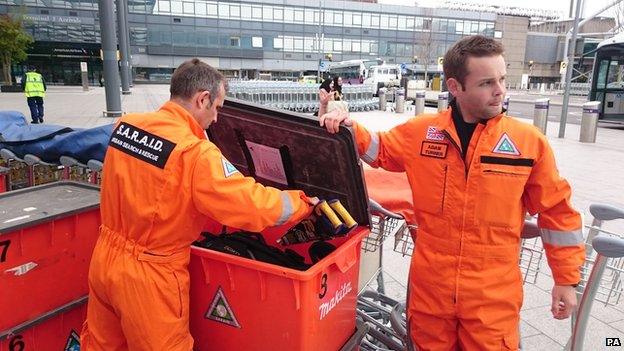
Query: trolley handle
point(609, 246)
point(376, 208)
point(606, 212)
point(396, 321)
point(606, 246)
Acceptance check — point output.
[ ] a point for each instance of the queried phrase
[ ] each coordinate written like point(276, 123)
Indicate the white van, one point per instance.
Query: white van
point(384, 75)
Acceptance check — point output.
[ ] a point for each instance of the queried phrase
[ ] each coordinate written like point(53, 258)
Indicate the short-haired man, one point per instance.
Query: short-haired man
point(474, 172)
point(162, 177)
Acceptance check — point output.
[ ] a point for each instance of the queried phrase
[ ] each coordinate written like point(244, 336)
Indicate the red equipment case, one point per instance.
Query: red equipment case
point(47, 235)
point(242, 304)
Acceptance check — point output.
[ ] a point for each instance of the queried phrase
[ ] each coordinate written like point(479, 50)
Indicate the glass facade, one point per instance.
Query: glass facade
point(260, 31)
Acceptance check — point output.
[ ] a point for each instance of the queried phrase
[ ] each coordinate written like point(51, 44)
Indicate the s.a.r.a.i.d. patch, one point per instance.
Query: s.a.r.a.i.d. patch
point(506, 146)
point(228, 168)
point(221, 311)
point(141, 144)
point(73, 342)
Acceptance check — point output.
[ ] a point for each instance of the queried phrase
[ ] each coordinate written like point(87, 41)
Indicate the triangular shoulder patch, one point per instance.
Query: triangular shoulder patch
point(506, 146)
point(221, 311)
point(228, 167)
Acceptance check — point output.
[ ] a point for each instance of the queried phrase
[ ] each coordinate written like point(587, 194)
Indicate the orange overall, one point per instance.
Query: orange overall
point(465, 287)
point(161, 178)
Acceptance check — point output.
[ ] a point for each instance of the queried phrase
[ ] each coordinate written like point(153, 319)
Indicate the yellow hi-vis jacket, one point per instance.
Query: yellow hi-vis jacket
point(34, 86)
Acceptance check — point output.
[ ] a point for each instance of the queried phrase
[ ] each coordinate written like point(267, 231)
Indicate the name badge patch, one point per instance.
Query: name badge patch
point(431, 149)
point(141, 144)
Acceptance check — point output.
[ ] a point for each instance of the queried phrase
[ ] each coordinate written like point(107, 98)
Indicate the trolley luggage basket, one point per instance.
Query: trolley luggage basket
point(531, 250)
point(610, 287)
point(383, 224)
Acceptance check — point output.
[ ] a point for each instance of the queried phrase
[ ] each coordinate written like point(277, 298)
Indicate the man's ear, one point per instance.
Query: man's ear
point(453, 86)
point(200, 98)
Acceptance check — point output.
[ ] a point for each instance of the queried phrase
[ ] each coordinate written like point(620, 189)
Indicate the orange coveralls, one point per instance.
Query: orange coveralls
point(161, 178)
point(465, 286)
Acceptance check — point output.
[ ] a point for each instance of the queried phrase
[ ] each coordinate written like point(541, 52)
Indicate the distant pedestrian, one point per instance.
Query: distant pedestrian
point(101, 81)
point(34, 88)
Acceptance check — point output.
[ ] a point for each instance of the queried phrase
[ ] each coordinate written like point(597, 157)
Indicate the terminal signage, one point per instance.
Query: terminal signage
point(59, 19)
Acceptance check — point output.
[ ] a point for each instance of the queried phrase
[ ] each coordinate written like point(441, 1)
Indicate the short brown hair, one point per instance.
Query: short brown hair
point(194, 76)
point(476, 46)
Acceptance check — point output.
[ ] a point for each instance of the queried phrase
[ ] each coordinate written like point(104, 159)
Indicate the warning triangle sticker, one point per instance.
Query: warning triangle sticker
point(221, 311)
point(73, 342)
point(506, 146)
point(228, 168)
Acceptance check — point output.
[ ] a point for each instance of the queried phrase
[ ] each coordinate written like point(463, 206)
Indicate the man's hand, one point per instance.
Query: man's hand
point(563, 301)
point(331, 121)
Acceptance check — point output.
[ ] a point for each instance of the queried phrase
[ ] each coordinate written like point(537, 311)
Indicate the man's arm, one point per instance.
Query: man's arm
point(224, 194)
point(383, 149)
point(548, 195)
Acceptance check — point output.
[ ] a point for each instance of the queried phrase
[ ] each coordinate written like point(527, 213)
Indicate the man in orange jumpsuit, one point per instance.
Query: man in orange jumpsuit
point(161, 178)
point(474, 172)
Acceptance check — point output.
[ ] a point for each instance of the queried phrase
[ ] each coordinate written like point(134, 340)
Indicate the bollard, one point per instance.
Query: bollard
point(540, 114)
point(382, 99)
point(443, 101)
point(419, 103)
point(400, 100)
point(589, 122)
point(506, 103)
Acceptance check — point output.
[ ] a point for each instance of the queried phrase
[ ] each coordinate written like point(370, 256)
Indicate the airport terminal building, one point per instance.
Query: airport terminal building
point(246, 38)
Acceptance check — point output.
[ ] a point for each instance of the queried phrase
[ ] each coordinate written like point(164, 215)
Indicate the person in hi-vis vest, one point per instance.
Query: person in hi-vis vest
point(34, 88)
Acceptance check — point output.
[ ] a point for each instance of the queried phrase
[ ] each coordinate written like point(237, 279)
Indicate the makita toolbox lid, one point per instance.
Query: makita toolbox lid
point(289, 150)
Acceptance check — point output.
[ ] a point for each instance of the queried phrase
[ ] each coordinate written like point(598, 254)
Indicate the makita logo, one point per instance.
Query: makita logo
point(326, 307)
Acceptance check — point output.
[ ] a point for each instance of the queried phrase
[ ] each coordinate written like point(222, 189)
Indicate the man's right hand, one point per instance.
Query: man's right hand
point(331, 121)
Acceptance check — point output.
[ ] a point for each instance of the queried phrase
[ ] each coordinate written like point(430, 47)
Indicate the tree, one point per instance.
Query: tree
point(427, 48)
point(14, 41)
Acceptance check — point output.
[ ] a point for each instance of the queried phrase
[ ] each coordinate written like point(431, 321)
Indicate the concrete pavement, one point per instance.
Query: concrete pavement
point(594, 170)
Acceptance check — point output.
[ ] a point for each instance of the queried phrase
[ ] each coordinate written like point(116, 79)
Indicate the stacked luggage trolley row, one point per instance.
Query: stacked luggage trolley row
point(602, 275)
point(21, 172)
point(300, 97)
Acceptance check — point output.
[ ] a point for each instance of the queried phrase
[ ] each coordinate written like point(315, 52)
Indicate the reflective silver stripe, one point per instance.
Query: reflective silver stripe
point(562, 238)
point(287, 208)
point(373, 149)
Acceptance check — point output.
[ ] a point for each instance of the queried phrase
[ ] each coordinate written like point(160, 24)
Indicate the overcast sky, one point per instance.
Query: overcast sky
point(559, 5)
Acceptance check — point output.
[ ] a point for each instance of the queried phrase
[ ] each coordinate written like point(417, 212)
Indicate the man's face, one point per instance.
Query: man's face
point(209, 112)
point(481, 96)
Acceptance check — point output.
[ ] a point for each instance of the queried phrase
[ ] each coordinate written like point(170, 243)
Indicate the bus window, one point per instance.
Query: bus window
point(615, 77)
point(601, 82)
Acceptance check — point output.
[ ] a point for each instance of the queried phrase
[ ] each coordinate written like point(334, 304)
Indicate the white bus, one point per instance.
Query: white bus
point(384, 75)
point(608, 79)
point(352, 71)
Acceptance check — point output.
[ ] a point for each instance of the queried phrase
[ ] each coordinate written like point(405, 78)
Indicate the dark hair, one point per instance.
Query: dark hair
point(326, 84)
point(337, 87)
point(194, 76)
point(473, 46)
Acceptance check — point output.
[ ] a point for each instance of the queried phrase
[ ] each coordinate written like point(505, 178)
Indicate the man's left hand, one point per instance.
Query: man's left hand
point(563, 301)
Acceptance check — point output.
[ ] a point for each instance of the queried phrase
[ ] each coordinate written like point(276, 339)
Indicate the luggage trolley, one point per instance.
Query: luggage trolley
point(384, 315)
point(601, 274)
